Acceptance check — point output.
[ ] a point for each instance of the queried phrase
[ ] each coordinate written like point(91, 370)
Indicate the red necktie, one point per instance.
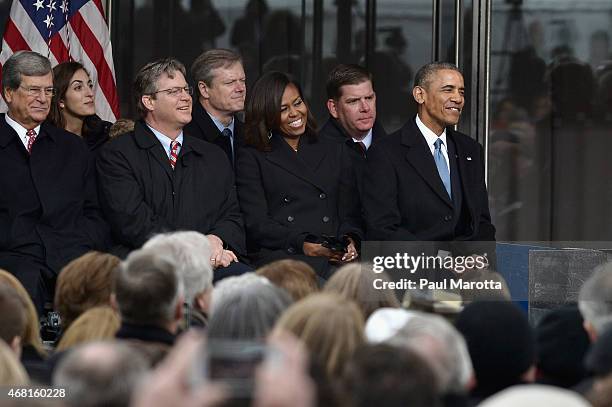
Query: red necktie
point(31, 135)
point(174, 146)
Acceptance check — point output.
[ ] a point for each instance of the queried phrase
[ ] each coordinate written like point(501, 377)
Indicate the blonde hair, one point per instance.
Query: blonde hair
point(97, 323)
point(330, 326)
point(12, 372)
point(31, 334)
point(295, 276)
point(355, 282)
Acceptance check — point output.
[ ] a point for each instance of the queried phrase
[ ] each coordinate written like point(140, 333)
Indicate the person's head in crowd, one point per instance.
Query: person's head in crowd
point(12, 372)
point(120, 127)
point(442, 346)
point(561, 346)
point(84, 283)
point(535, 395)
point(276, 105)
point(351, 99)
point(147, 291)
point(12, 318)
point(501, 344)
point(191, 253)
point(74, 97)
point(469, 295)
point(221, 83)
point(31, 334)
point(598, 359)
point(439, 92)
point(594, 300)
point(355, 282)
point(27, 86)
point(330, 326)
point(100, 374)
point(163, 97)
point(384, 323)
point(294, 276)
point(384, 375)
point(246, 307)
point(95, 324)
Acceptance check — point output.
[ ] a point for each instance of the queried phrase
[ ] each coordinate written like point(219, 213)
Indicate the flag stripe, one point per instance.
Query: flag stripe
point(95, 53)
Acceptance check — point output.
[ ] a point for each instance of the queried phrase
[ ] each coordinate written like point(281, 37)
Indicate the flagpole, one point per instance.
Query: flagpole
point(109, 9)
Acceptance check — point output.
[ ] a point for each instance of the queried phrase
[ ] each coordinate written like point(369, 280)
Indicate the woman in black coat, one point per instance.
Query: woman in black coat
point(297, 193)
point(73, 105)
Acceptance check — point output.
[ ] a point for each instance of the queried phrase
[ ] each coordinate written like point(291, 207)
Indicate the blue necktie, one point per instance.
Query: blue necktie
point(227, 144)
point(442, 166)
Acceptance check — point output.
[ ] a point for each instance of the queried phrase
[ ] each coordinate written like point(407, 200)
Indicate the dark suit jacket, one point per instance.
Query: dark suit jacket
point(204, 128)
point(48, 200)
point(141, 195)
point(286, 196)
point(404, 198)
point(333, 131)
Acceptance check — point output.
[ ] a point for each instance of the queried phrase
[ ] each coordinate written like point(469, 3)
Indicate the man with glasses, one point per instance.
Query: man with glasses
point(157, 179)
point(49, 212)
point(221, 91)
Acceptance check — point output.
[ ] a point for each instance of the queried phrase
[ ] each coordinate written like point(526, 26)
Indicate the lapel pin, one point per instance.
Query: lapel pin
point(469, 158)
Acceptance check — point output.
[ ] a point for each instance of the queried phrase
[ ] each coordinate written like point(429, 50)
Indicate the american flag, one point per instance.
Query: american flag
point(64, 30)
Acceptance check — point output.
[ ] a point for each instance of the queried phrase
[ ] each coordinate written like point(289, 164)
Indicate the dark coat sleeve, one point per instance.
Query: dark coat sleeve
point(380, 198)
point(261, 226)
point(349, 202)
point(228, 224)
point(132, 221)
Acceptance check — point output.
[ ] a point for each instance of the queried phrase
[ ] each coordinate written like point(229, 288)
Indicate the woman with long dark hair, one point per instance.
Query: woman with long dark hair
point(297, 193)
point(73, 105)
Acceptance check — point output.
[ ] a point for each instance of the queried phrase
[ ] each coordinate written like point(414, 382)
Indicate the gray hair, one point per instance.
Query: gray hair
point(204, 65)
point(440, 344)
point(147, 288)
point(246, 307)
point(190, 252)
point(28, 63)
point(595, 298)
point(100, 374)
point(426, 72)
point(146, 79)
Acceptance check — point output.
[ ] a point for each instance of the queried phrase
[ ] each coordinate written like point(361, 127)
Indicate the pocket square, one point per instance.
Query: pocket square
point(469, 158)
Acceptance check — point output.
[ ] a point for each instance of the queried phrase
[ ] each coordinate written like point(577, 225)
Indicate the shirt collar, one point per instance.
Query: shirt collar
point(21, 131)
point(367, 140)
point(430, 136)
point(165, 140)
point(220, 125)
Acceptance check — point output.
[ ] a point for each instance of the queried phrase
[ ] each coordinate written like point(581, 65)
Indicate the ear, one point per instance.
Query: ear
point(419, 94)
point(590, 330)
point(202, 301)
point(113, 303)
point(148, 102)
point(331, 106)
point(530, 375)
point(203, 90)
point(16, 346)
point(178, 311)
point(8, 94)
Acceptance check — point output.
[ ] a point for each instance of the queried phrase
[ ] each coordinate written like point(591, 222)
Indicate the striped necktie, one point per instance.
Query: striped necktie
point(31, 135)
point(174, 146)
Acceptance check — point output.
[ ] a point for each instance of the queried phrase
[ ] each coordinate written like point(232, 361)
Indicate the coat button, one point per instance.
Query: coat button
point(291, 250)
point(448, 218)
point(289, 218)
point(322, 195)
point(325, 219)
point(287, 199)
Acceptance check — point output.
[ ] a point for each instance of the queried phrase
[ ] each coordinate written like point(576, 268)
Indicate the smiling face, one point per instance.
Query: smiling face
point(79, 98)
point(168, 113)
point(441, 99)
point(294, 112)
point(355, 109)
point(26, 109)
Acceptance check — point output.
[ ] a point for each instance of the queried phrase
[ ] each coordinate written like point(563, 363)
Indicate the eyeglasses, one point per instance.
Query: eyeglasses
point(176, 91)
point(37, 90)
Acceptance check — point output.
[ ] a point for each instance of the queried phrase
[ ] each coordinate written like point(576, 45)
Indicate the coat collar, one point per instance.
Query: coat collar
point(304, 163)
point(8, 134)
